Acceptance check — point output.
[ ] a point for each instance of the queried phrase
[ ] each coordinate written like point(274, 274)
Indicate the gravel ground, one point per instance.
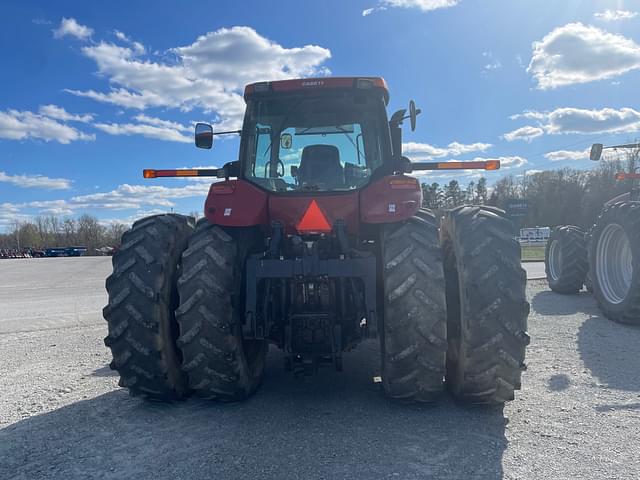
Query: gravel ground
point(62, 415)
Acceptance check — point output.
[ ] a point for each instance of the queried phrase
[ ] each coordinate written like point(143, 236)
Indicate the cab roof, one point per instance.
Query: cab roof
point(315, 84)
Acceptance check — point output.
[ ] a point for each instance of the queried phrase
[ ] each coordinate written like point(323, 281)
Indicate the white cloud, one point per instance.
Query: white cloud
point(35, 181)
point(137, 46)
point(9, 216)
point(561, 155)
point(509, 162)
point(128, 220)
point(69, 26)
point(529, 115)
point(134, 196)
point(149, 127)
point(576, 53)
point(59, 113)
point(119, 96)
point(158, 122)
point(494, 64)
point(16, 125)
point(124, 197)
point(613, 15)
point(239, 55)
point(584, 121)
point(427, 151)
point(606, 120)
point(209, 74)
point(423, 5)
point(527, 134)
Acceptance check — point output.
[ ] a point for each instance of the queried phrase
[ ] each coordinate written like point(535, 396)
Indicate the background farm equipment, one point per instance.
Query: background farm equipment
point(607, 258)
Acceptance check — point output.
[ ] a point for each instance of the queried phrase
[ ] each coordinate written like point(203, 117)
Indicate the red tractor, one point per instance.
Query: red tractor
point(314, 241)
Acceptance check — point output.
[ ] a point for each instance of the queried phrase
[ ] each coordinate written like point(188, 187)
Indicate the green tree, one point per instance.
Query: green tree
point(481, 191)
point(452, 194)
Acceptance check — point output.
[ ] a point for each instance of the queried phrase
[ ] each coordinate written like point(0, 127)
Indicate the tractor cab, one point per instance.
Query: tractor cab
point(632, 177)
point(314, 136)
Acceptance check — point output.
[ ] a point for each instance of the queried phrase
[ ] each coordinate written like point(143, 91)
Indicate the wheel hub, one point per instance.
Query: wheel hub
point(555, 260)
point(614, 266)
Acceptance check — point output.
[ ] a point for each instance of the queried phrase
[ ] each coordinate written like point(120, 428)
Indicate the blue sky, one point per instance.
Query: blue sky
point(93, 92)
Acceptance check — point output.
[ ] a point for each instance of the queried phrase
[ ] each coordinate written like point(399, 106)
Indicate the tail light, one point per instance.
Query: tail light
point(404, 184)
point(222, 188)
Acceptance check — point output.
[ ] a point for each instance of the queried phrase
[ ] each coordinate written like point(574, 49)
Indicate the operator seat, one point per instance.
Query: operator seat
point(320, 164)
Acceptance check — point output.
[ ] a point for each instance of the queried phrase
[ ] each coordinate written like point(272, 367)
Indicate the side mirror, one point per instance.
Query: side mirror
point(413, 113)
point(596, 152)
point(294, 171)
point(204, 135)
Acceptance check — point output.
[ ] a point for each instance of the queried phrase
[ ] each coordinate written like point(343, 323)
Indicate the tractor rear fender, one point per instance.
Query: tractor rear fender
point(391, 199)
point(236, 203)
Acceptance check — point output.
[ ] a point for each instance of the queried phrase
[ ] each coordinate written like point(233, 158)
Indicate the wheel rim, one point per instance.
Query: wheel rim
point(614, 263)
point(555, 260)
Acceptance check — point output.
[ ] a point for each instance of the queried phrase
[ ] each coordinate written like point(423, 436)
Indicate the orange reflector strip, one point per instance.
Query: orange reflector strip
point(186, 173)
point(483, 165)
point(313, 220)
point(169, 173)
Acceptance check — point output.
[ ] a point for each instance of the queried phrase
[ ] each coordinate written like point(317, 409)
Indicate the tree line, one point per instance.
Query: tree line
point(554, 197)
point(52, 231)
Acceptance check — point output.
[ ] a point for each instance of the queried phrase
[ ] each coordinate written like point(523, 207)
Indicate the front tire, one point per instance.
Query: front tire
point(140, 312)
point(566, 259)
point(414, 336)
point(486, 305)
point(218, 362)
point(615, 262)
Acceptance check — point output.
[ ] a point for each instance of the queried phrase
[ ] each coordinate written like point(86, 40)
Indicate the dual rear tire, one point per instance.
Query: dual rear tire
point(142, 298)
point(606, 262)
point(173, 322)
point(615, 262)
point(454, 308)
point(487, 308)
point(566, 259)
point(219, 364)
